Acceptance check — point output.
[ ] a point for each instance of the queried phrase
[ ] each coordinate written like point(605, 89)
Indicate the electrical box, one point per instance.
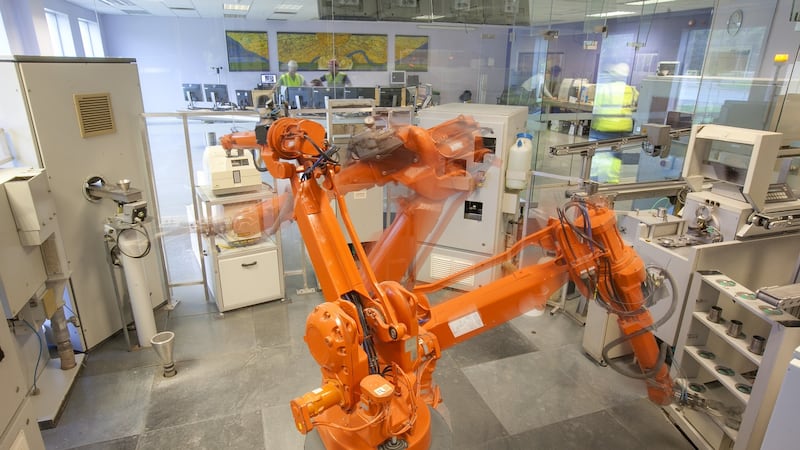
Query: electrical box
point(32, 205)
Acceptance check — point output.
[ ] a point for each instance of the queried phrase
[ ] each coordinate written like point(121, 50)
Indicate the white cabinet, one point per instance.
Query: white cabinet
point(240, 272)
point(722, 369)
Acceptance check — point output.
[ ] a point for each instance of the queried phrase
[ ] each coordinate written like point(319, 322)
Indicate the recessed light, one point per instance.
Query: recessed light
point(648, 2)
point(235, 7)
point(612, 14)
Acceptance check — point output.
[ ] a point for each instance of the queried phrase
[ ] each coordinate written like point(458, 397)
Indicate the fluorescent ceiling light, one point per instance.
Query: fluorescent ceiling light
point(235, 7)
point(612, 14)
point(287, 8)
point(447, 26)
point(648, 2)
point(429, 17)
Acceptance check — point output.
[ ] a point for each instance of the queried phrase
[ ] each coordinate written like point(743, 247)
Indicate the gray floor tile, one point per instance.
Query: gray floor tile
point(527, 391)
point(126, 443)
point(499, 342)
point(598, 430)
point(650, 425)
point(471, 420)
point(102, 408)
point(548, 332)
point(237, 431)
point(201, 336)
point(113, 356)
point(279, 430)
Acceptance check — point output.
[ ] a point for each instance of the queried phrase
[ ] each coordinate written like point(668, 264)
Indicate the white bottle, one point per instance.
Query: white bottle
point(519, 162)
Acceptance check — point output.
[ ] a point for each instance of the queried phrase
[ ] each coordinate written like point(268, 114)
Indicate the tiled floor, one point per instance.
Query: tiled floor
point(524, 385)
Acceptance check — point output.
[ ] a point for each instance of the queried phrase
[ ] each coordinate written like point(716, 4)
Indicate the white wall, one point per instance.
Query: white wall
point(171, 51)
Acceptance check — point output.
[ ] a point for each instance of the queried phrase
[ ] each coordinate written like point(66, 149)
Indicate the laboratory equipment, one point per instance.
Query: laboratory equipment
point(39, 110)
point(478, 228)
point(230, 171)
point(740, 180)
point(163, 343)
point(244, 98)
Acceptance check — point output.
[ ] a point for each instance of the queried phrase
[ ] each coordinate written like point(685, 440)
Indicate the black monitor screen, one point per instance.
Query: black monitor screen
point(192, 92)
point(244, 98)
point(412, 80)
point(269, 78)
point(295, 95)
point(318, 99)
point(390, 97)
point(359, 92)
point(220, 92)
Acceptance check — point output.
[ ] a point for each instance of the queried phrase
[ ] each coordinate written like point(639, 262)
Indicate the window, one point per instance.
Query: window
point(60, 33)
point(90, 35)
point(5, 48)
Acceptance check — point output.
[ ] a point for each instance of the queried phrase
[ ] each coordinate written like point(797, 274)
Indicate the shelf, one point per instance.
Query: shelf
point(714, 391)
point(744, 297)
point(265, 245)
point(720, 330)
point(710, 365)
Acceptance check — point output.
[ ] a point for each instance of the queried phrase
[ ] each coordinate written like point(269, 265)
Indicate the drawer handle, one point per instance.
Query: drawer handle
point(249, 264)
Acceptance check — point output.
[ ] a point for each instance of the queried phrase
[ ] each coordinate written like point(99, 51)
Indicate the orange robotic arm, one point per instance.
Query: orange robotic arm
point(375, 341)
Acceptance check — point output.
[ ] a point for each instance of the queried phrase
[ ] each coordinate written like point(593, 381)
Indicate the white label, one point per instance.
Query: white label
point(466, 324)
point(360, 195)
point(316, 391)
point(381, 390)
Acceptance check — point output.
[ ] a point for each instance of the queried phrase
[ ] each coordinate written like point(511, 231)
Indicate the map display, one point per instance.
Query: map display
point(312, 51)
point(411, 53)
point(248, 51)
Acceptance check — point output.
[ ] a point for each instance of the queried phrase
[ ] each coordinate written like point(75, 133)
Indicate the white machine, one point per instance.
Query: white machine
point(230, 171)
point(479, 227)
point(743, 182)
point(47, 105)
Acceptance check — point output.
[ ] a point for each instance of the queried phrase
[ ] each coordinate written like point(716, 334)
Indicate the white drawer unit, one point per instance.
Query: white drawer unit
point(245, 272)
point(738, 378)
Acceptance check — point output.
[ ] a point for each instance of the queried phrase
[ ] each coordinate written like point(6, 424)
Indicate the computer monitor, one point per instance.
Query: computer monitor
point(192, 92)
point(297, 97)
point(359, 92)
point(244, 98)
point(319, 94)
point(216, 93)
point(269, 78)
point(666, 68)
point(398, 77)
point(412, 80)
point(390, 97)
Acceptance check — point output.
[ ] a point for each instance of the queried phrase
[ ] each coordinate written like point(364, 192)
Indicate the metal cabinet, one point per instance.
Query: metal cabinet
point(240, 272)
point(720, 366)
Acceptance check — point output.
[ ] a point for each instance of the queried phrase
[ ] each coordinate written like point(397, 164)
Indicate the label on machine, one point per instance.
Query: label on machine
point(466, 324)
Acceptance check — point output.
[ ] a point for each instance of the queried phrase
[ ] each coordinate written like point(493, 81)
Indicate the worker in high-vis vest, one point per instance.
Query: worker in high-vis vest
point(606, 167)
point(614, 101)
point(334, 77)
point(291, 78)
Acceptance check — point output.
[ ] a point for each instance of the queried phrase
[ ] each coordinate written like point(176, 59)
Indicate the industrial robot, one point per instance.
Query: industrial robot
point(377, 337)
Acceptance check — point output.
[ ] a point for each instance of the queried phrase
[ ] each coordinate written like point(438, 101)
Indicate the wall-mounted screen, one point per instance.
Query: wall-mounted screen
point(269, 78)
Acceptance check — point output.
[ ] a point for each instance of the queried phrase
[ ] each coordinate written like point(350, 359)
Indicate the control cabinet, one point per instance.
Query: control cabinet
point(240, 272)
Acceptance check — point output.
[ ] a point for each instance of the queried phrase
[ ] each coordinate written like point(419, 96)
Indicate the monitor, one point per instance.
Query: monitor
point(397, 77)
point(244, 98)
point(667, 68)
point(359, 92)
point(192, 92)
point(269, 78)
point(297, 97)
point(390, 97)
point(216, 93)
point(319, 94)
point(412, 80)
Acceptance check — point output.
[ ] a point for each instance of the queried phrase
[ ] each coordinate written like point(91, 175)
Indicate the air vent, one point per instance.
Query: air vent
point(94, 114)
point(443, 266)
point(234, 16)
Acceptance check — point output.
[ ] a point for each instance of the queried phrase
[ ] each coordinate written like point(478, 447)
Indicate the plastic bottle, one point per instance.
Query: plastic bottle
point(519, 162)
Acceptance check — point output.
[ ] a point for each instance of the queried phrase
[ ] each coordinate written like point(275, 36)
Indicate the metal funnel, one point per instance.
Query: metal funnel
point(163, 343)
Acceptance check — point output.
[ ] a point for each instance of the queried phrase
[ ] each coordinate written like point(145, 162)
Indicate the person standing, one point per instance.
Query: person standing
point(291, 78)
point(614, 102)
point(334, 77)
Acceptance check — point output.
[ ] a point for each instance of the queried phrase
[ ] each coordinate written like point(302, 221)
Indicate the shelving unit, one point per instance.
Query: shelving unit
point(240, 273)
point(722, 369)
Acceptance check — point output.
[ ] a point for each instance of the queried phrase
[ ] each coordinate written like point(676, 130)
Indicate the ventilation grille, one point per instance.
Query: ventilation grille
point(444, 266)
point(94, 114)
